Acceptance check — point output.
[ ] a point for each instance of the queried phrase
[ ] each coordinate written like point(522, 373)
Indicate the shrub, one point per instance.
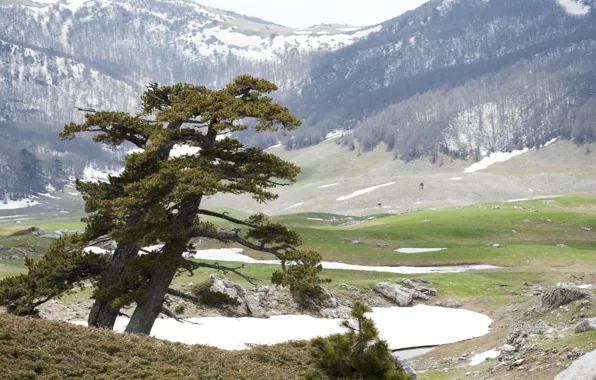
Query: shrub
point(357, 354)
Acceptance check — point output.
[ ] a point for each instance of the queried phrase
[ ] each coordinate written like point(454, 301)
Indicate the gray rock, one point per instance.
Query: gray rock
point(347, 287)
point(507, 348)
point(334, 307)
point(586, 325)
point(3, 248)
point(494, 245)
point(582, 369)
point(50, 235)
point(526, 221)
point(253, 305)
point(449, 304)
point(398, 294)
point(228, 287)
point(562, 296)
point(586, 228)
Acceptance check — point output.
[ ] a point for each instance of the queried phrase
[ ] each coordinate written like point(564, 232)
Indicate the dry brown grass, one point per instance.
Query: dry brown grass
point(39, 349)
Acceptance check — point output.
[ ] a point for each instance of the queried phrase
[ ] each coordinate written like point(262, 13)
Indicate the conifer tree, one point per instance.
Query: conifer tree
point(158, 199)
point(357, 354)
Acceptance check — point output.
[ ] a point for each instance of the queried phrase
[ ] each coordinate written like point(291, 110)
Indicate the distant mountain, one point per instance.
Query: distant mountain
point(462, 76)
point(59, 55)
point(458, 76)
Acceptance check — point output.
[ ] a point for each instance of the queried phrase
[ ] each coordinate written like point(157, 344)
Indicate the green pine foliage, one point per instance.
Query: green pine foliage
point(63, 267)
point(357, 354)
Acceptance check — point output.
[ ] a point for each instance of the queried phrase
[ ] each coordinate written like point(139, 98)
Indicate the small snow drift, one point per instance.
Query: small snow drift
point(97, 250)
point(402, 328)
point(183, 150)
point(482, 357)
point(91, 174)
point(326, 186)
point(296, 205)
point(456, 179)
point(492, 159)
point(419, 250)
point(574, 7)
point(364, 191)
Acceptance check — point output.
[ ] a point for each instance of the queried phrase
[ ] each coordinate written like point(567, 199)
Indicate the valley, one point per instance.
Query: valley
point(540, 243)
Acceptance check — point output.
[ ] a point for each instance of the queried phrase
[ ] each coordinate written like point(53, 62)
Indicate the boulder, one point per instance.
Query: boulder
point(586, 325)
point(398, 294)
point(228, 287)
point(582, 369)
point(334, 307)
point(562, 296)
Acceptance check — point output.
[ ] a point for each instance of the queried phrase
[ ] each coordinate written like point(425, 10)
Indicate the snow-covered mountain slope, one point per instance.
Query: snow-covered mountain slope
point(103, 52)
point(461, 75)
point(456, 76)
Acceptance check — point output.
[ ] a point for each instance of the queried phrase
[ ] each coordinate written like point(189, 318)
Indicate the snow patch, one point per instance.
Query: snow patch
point(494, 158)
point(91, 174)
point(316, 219)
point(419, 250)
point(48, 196)
point(456, 179)
point(575, 7)
point(326, 186)
point(97, 250)
point(364, 191)
point(402, 327)
point(296, 205)
point(482, 357)
point(183, 150)
point(337, 133)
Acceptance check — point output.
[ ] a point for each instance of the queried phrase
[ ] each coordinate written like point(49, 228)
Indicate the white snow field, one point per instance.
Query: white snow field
point(494, 158)
point(420, 325)
point(13, 205)
point(236, 255)
point(364, 191)
point(419, 250)
point(480, 358)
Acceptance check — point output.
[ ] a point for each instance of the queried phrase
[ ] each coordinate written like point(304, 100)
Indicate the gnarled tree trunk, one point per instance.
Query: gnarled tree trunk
point(150, 304)
point(101, 314)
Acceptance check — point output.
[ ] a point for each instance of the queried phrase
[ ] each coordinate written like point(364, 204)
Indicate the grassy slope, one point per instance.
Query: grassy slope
point(530, 254)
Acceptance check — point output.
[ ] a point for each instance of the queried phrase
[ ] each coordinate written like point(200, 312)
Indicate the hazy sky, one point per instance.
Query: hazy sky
point(302, 13)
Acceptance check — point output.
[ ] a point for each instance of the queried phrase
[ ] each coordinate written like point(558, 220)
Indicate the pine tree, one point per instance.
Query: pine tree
point(357, 354)
point(158, 198)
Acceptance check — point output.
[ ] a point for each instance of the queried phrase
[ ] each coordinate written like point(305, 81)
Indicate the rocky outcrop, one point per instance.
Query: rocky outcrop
point(404, 293)
point(582, 369)
point(586, 325)
point(266, 301)
point(398, 294)
point(560, 296)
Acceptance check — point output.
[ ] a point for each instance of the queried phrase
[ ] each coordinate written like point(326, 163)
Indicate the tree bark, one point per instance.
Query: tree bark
point(101, 314)
point(149, 305)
